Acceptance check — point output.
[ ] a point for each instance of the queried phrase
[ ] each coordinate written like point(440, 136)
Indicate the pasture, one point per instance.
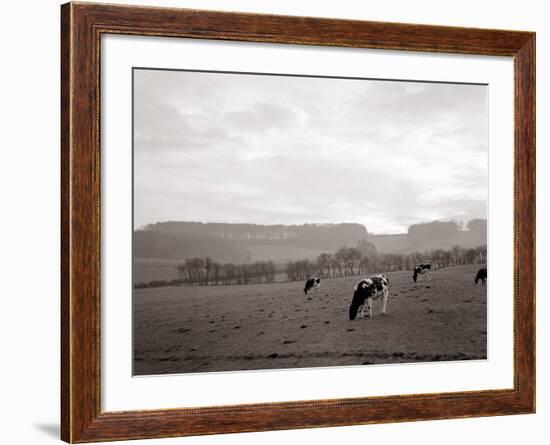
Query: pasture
point(151, 269)
point(272, 326)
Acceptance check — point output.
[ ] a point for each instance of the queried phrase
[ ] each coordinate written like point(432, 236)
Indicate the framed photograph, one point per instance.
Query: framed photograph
point(274, 222)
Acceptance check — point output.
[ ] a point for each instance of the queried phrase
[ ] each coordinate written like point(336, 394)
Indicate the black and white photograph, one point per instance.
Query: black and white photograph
point(290, 221)
point(229, 222)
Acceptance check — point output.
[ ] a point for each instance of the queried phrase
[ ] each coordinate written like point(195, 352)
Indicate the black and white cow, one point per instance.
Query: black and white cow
point(422, 269)
point(481, 275)
point(365, 292)
point(312, 283)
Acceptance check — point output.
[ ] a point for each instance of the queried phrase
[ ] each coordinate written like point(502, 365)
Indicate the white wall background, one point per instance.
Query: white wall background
point(29, 228)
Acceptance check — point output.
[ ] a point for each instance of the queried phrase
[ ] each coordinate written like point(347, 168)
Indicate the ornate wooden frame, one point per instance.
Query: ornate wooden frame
point(82, 25)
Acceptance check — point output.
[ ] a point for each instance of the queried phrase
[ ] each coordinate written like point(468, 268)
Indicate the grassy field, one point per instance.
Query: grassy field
point(273, 326)
point(151, 269)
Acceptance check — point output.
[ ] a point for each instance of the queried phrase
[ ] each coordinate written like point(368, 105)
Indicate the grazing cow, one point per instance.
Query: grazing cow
point(365, 292)
point(312, 283)
point(481, 275)
point(422, 269)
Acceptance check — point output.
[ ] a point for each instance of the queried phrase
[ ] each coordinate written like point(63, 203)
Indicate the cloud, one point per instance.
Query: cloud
point(273, 149)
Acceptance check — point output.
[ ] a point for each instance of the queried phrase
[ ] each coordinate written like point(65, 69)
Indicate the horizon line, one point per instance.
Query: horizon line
point(142, 227)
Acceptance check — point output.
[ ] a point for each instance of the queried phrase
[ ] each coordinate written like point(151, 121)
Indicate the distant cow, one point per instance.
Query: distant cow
point(481, 275)
point(312, 283)
point(365, 292)
point(422, 269)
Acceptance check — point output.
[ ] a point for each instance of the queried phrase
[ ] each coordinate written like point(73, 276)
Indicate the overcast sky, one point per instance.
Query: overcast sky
point(262, 149)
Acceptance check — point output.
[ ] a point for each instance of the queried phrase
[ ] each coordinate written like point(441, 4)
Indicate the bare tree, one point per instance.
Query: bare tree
point(207, 268)
point(216, 267)
point(354, 256)
point(182, 271)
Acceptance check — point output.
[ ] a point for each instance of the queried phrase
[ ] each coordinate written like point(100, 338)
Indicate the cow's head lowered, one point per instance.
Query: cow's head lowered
point(421, 269)
point(366, 291)
point(312, 283)
point(361, 292)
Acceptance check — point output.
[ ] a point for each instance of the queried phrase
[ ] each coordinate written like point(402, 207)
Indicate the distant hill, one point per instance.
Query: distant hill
point(243, 242)
point(433, 235)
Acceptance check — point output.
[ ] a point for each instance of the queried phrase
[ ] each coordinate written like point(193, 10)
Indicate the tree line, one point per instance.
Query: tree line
point(346, 261)
point(205, 271)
